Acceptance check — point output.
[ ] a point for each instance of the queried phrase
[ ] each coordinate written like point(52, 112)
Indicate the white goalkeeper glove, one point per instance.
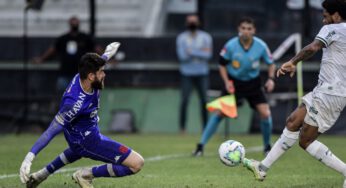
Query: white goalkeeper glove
point(24, 170)
point(111, 49)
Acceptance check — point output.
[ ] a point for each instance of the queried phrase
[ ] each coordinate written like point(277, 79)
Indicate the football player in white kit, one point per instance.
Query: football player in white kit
point(321, 107)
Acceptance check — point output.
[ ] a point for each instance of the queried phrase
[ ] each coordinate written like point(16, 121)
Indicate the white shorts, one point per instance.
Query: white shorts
point(322, 109)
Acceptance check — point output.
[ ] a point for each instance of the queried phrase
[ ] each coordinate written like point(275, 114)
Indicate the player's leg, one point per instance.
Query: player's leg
point(202, 84)
point(212, 125)
point(121, 161)
point(186, 87)
point(324, 110)
point(266, 125)
point(318, 150)
point(131, 165)
point(66, 157)
point(287, 139)
point(209, 131)
point(258, 102)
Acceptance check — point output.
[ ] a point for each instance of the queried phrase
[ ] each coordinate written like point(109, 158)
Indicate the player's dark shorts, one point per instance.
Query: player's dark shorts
point(101, 148)
point(250, 90)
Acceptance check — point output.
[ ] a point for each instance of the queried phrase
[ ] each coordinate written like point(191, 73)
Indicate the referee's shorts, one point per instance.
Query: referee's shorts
point(251, 90)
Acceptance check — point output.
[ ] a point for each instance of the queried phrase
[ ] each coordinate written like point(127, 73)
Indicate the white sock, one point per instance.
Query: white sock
point(286, 141)
point(323, 154)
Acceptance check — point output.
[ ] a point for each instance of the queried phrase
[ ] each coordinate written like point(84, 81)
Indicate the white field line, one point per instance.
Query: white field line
point(148, 159)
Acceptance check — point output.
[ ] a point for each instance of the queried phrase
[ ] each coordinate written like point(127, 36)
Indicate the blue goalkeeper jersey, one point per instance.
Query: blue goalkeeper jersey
point(78, 112)
point(245, 64)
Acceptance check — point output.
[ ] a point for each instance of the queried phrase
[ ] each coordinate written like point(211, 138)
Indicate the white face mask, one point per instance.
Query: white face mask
point(71, 47)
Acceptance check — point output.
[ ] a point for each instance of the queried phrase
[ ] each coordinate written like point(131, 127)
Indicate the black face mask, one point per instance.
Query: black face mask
point(192, 26)
point(75, 28)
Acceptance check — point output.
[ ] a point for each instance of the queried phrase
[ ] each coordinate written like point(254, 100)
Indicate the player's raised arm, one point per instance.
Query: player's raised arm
point(110, 51)
point(308, 51)
point(304, 54)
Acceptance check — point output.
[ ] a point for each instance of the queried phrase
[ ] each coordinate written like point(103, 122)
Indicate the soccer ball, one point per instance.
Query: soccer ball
point(231, 153)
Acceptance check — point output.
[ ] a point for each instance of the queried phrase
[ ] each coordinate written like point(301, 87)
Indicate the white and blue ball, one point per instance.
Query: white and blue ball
point(231, 153)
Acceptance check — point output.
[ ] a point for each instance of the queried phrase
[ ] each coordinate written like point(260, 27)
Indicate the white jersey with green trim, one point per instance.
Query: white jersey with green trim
point(332, 77)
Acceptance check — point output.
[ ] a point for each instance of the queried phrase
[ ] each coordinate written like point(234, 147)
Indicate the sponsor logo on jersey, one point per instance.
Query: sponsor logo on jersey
point(255, 64)
point(116, 158)
point(330, 34)
point(77, 106)
point(87, 133)
point(235, 64)
point(313, 110)
point(123, 149)
point(93, 113)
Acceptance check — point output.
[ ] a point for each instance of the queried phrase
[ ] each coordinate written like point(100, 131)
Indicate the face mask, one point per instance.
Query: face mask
point(192, 26)
point(74, 28)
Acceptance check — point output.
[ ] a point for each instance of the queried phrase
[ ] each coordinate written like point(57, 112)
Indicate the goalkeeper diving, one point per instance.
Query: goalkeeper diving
point(77, 118)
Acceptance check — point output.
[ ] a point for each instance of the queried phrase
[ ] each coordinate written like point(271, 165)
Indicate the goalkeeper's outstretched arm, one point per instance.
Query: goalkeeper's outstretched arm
point(54, 129)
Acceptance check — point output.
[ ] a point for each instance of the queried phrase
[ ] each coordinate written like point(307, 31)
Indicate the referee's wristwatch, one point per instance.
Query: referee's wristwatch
point(271, 78)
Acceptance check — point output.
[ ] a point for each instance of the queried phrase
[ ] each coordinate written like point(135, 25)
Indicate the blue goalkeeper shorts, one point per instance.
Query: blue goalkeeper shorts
point(101, 148)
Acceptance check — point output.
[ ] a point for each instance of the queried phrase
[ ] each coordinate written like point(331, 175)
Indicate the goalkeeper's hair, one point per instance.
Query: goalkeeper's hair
point(332, 6)
point(90, 63)
point(246, 19)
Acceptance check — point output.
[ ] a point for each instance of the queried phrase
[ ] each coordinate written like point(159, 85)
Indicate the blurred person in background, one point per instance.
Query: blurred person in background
point(69, 48)
point(194, 50)
point(240, 70)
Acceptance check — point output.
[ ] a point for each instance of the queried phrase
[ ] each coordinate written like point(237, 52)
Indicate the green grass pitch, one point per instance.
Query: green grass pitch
point(169, 164)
